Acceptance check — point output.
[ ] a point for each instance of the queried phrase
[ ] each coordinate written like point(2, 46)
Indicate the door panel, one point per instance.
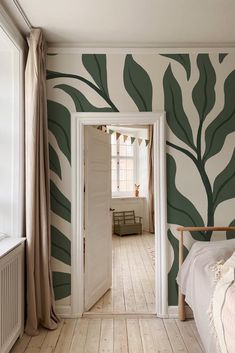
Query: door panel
point(98, 221)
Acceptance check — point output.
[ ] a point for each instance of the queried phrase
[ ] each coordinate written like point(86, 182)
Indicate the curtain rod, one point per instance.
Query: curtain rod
point(23, 15)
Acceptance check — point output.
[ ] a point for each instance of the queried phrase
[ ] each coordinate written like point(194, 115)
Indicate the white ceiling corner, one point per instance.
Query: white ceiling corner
point(136, 22)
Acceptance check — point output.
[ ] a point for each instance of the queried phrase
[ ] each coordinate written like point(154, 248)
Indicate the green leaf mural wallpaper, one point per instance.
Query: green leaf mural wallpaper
point(222, 56)
point(59, 125)
point(61, 284)
point(204, 91)
point(80, 101)
point(54, 161)
point(197, 129)
point(224, 123)
point(223, 188)
point(60, 246)
point(138, 84)
point(97, 67)
point(175, 115)
point(180, 209)
point(60, 205)
point(100, 91)
point(203, 96)
point(183, 59)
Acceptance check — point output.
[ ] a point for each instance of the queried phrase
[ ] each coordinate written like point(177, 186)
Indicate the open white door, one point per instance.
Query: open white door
point(98, 218)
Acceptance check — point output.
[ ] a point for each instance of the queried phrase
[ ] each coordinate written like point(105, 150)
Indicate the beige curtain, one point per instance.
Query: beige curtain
point(151, 181)
point(40, 297)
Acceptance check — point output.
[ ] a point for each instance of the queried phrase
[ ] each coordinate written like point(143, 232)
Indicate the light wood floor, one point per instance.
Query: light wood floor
point(114, 336)
point(133, 290)
point(133, 287)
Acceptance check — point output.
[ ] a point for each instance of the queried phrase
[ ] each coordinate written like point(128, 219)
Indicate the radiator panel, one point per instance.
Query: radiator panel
point(11, 295)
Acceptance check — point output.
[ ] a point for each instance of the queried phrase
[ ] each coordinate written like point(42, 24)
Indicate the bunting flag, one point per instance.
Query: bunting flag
point(118, 134)
point(132, 140)
point(125, 137)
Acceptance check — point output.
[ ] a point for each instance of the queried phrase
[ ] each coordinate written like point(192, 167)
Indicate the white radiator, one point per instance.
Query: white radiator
point(11, 293)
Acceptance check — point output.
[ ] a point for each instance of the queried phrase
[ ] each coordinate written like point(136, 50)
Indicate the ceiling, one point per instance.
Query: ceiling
point(133, 22)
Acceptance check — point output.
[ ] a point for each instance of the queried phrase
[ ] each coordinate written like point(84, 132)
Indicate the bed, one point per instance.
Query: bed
point(206, 284)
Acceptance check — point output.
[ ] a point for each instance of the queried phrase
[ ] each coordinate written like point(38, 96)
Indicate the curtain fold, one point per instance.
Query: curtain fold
point(40, 295)
point(151, 182)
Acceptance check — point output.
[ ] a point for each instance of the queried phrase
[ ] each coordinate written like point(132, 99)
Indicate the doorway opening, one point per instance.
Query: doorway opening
point(119, 220)
point(137, 278)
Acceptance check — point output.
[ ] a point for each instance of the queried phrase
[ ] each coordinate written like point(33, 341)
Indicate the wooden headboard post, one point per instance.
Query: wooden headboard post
point(181, 297)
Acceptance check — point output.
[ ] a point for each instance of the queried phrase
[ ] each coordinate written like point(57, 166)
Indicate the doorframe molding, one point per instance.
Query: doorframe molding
point(78, 122)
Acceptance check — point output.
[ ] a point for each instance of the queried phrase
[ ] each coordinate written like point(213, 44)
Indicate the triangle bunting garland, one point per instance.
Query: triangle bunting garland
point(132, 140)
point(147, 142)
point(125, 137)
point(118, 134)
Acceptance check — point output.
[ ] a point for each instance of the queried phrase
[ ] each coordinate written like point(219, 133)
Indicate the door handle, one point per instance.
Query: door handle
point(111, 209)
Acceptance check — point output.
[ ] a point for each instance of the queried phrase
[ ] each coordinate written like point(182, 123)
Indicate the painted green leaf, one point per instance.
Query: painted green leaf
point(60, 246)
point(54, 74)
point(183, 59)
point(224, 184)
point(175, 115)
point(180, 210)
point(60, 205)
point(230, 234)
point(54, 161)
point(138, 84)
point(172, 284)
point(59, 125)
point(80, 101)
point(224, 123)
point(97, 68)
point(222, 56)
point(61, 284)
point(204, 91)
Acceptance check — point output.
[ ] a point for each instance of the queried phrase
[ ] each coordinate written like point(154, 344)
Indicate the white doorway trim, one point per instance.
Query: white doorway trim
point(78, 122)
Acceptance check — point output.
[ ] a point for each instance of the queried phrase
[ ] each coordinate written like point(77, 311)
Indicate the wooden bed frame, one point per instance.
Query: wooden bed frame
point(181, 297)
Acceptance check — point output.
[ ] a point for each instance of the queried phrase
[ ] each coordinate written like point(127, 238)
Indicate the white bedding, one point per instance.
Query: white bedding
point(197, 282)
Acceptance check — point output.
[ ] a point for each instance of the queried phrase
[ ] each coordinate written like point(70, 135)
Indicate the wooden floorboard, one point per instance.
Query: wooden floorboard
point(114, 335)
point(122, 321)
point(190, 340)
point(133, 286)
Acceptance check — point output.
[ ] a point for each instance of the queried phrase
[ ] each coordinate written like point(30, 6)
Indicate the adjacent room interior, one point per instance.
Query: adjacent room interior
point(129, 217)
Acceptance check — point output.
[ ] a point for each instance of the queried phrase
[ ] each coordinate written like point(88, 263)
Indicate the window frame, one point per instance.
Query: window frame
point(116, 194)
